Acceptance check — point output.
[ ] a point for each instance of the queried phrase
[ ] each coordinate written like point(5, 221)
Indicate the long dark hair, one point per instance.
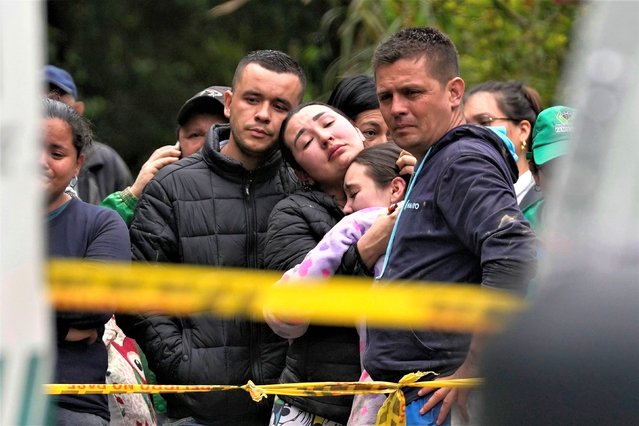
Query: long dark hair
point(380, 163)
point(354, 95)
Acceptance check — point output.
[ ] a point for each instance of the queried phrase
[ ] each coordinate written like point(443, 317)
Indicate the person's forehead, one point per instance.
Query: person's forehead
point(254, 72)
point(57, 129)
point(303, 120)
point(283, 85)
point(480, 102)
point(356, 174)
point(403, 70)
point(308, 117)
point(355, 169)
point(370, 115)
point(313, 113)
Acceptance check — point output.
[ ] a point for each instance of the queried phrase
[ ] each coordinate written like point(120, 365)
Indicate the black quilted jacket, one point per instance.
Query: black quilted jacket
point(296, 225)
point(207, 209)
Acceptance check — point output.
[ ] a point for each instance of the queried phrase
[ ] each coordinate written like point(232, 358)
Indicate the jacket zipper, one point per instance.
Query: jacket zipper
point(251, 222)
point(251, 257)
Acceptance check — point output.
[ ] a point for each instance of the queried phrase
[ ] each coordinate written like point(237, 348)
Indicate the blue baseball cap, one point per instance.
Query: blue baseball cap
point(62, 79)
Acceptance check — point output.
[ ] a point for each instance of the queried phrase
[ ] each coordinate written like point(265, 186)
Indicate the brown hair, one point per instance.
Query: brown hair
point(518, 101)
point(417, 42)
point(380, 163)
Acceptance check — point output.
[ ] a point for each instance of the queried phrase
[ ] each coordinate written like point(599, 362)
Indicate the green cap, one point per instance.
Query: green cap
point(553, 129)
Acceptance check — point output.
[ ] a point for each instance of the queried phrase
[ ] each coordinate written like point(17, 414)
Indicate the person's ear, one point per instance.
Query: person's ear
point(228, 97)
point(524, 131)
point(78, 106)
point(304, 178)
point(79, 164)
point(398, 189)
point(455, 89)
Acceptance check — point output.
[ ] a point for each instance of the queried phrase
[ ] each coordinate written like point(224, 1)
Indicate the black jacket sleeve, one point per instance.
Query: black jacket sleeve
point(289, 237)
point(160, 338)
point(153, 236)
point(153, 239)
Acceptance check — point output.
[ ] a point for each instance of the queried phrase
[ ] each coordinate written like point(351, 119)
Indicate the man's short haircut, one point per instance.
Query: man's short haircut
point(419, 42)
point(272, 60)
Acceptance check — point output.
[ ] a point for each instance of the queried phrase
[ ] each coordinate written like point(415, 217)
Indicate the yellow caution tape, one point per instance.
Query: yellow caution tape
point(393, 410)
point(181, 289)
point(259, 392)
point(107, 389)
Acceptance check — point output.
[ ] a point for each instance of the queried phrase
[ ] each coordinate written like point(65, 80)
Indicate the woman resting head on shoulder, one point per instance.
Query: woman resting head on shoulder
point(374, 188)
point(320, 143)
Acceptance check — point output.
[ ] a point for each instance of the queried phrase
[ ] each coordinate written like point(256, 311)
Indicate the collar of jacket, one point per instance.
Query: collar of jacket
point(94, 156)
point(232, 168)
point(481, 134)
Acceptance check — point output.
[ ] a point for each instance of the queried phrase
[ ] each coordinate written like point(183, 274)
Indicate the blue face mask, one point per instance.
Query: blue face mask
point(501, 132)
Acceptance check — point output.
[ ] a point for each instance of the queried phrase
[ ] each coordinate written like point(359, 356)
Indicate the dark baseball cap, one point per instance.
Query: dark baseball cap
point(61, 79)
point(209, 100)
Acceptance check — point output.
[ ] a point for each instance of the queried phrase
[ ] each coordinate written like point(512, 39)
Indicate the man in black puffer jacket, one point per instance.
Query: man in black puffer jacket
point(212, 208)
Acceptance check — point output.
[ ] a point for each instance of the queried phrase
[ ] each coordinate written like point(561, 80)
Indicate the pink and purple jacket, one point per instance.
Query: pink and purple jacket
point(324, 259)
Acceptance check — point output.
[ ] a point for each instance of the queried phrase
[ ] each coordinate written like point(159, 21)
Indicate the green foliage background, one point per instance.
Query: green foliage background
point(136, 61)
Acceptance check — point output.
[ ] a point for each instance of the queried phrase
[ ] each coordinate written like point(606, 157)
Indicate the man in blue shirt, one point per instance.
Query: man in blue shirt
point(460, 222)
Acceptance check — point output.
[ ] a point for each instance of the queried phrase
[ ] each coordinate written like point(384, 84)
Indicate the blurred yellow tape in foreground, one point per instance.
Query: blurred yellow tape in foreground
point(259, 392)
point(180, 289)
